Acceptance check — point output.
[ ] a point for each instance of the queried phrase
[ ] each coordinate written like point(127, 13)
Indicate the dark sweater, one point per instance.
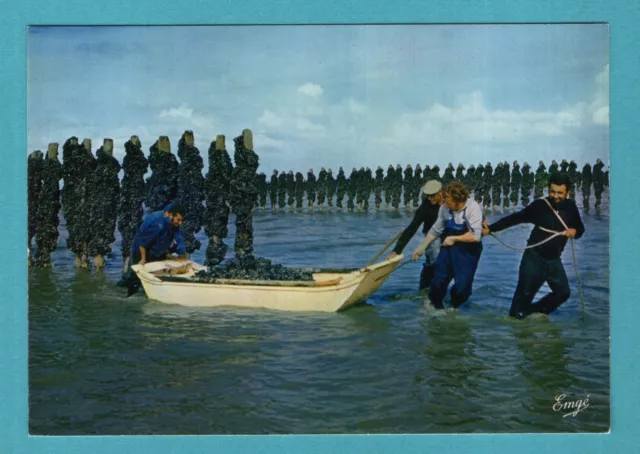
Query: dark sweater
point(426, 214)
point(539, 214)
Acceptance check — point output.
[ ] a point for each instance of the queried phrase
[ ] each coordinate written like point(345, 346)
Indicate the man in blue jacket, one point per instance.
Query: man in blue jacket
point(157, 238)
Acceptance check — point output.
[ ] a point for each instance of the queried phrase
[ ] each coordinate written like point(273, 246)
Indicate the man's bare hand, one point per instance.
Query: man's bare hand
point(571, 233)
point(449, 241)
point(392, 255)
point(416, 254)
point(485, 228)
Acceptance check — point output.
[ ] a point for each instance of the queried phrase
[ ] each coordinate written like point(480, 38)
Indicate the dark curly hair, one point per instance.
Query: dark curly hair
point(174, 209)
point(561, 179)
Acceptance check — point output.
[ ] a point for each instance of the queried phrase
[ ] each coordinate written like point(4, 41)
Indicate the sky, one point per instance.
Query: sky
point(329, 96)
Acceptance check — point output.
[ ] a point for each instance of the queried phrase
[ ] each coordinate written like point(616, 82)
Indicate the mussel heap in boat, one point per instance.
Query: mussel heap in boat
point(252, 268)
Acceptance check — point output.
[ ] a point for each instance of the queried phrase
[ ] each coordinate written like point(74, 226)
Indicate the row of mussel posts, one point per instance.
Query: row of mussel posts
point(94, 202)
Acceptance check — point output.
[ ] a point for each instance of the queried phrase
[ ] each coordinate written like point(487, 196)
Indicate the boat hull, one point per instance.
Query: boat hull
point(353, 287)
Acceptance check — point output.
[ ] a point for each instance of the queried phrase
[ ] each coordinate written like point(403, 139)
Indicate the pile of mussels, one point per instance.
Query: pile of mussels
point(251, 268)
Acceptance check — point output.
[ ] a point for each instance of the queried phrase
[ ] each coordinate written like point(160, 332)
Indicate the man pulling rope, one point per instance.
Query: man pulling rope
point(556, 219)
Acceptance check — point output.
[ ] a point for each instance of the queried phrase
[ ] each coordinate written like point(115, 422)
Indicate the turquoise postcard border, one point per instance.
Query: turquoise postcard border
point(623, 17)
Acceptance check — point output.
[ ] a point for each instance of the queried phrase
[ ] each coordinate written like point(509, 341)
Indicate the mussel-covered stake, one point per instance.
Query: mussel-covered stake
point(291, 189)
point(311, 189)
point(527, 184)
point(130, 210)
point(367, 187)
point(244, 193)
point(78, 170)
point(262, 190)
point(162, 185)
point(216, 191)
point(331, 188)
point(417, 186)
point(273, 190)
point(190, 190)
point(34, 187)
point(397, 188)
point(341, 188)
point(321, 188)
point(299, 190)
point(408, 187)
point(104, 204)
point(48, 207)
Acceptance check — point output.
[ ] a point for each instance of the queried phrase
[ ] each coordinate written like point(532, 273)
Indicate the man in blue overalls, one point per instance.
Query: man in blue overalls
point(459, 224)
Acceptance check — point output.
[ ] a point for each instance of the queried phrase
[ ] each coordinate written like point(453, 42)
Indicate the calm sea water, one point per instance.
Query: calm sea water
point(100, 363)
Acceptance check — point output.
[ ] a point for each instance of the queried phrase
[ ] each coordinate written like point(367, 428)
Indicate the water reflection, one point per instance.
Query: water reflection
point(544, 352)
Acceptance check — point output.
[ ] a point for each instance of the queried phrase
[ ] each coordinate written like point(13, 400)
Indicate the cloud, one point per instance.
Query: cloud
point(599, 108)
point(355, 106)
point(601, 116)
point(304, 127)
point(188, 118)
point(303, 124)
point(471, 122)
point(311, 89)
point(177, 112)
point(271, 120)
point(265, 141)
point(291, 123)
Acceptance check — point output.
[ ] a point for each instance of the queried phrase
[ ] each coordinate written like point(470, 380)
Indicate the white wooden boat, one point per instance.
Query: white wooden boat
point(328, 292)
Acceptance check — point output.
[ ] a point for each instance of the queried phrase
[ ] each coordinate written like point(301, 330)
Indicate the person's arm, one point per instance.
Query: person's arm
point(523, 216)
point(410, 231)
point(430, 238)
point(474, 219)
point(434, 233)
point(180, 247)
point(143, 255)
point(577, 225)
point(146, 237)
point(466, 238)
point(437, 228)
point(474, 235)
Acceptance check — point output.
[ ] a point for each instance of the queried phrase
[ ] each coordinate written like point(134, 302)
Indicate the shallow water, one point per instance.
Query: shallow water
point(100, 363)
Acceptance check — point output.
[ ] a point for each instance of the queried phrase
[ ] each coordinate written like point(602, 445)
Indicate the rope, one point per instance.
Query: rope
point(575, 261)
point(555, 234)
point(575, 267)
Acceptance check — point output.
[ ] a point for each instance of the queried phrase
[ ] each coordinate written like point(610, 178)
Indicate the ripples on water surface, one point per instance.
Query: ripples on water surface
point(100, 363)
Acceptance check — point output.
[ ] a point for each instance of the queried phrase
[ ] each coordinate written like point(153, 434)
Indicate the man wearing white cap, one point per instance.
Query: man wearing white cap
point(426, 214)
